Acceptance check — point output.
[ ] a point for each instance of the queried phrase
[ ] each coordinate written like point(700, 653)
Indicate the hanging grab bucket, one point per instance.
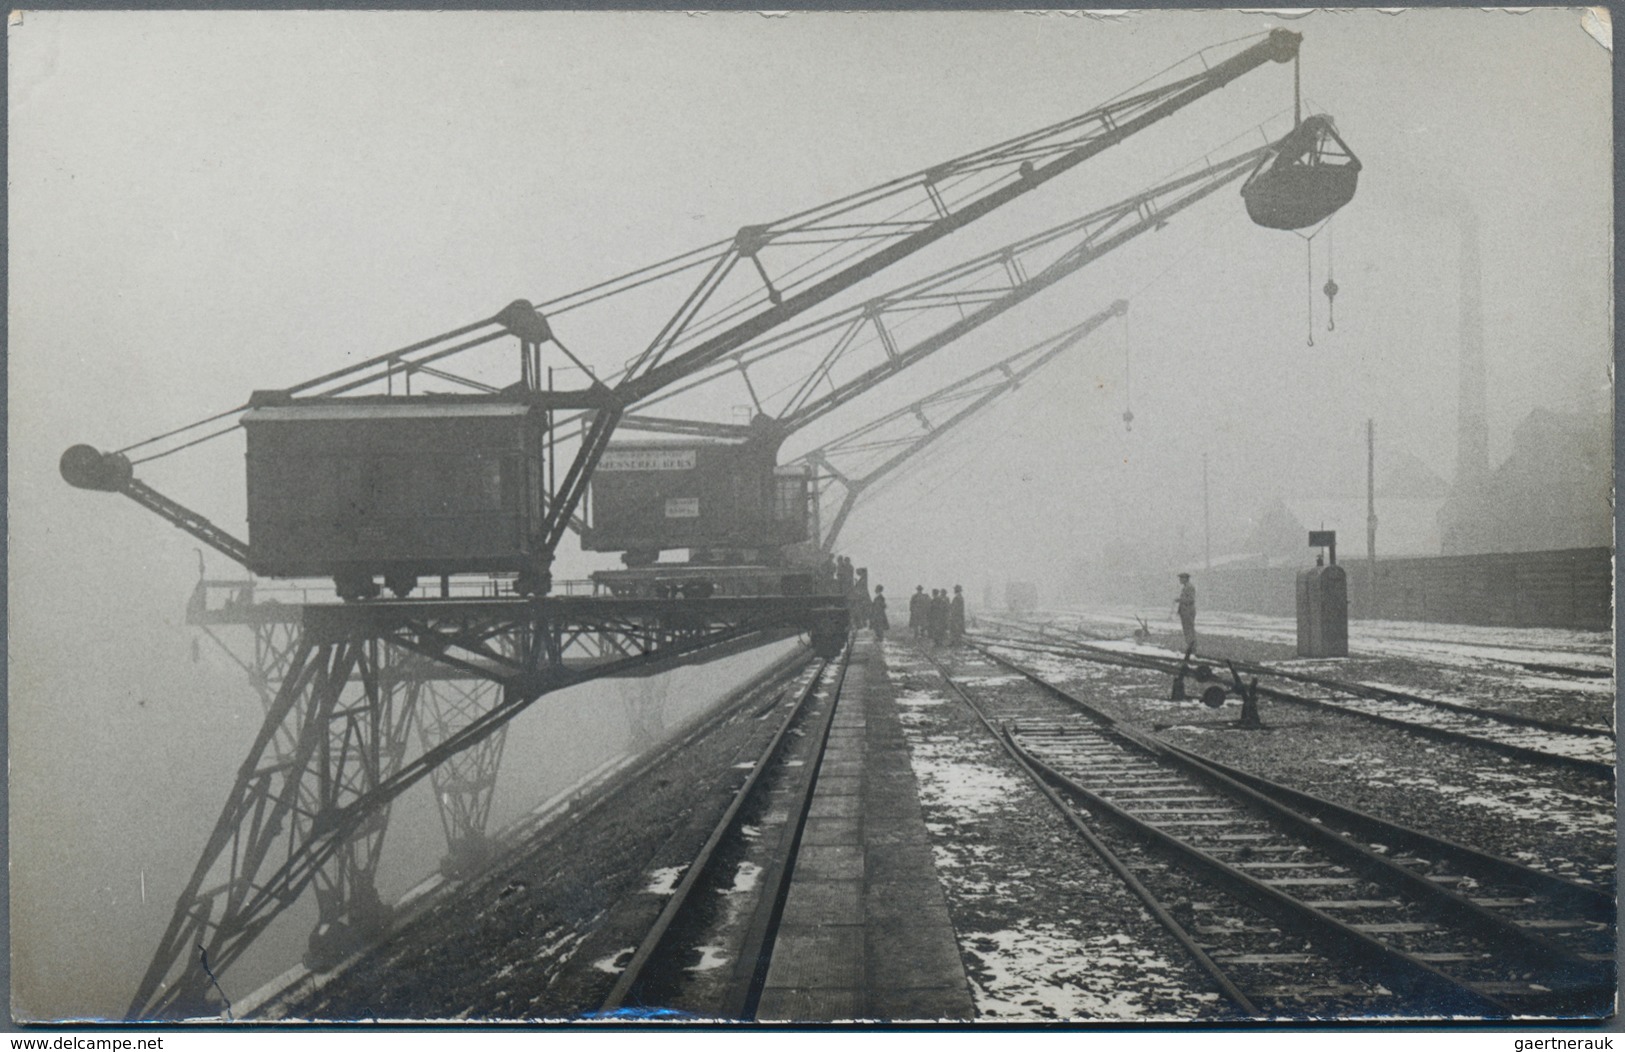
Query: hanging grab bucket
point(1310, 174)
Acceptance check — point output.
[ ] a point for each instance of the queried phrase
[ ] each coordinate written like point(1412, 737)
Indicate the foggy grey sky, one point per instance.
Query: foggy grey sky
point(206, 203)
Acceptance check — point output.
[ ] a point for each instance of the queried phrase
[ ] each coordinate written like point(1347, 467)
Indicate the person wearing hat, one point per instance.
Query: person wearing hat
point(1186, 605)
point(919, 605)
point(937, 617)
point(878, 622)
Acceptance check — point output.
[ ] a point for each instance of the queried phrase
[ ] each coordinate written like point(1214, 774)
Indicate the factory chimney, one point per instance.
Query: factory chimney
point(1473, 439)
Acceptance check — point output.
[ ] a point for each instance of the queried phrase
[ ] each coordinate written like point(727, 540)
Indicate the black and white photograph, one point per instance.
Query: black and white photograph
point(968, 518)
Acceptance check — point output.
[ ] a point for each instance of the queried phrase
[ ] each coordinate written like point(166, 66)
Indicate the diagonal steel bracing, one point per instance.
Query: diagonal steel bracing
point(465, 783)
point(309, 806)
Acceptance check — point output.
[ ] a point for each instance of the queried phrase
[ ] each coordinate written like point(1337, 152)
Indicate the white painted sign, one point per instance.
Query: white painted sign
point(682, 507)
point(647, 460)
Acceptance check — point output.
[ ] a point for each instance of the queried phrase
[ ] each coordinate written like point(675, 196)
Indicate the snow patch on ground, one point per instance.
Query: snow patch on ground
point(1529, 804)
point(1126, 646)
point(1042, 974)
point(745, 878)
point(964, 787)
point(664, 881)
point(1051, 666)
point(711, 957)
point(615, 963)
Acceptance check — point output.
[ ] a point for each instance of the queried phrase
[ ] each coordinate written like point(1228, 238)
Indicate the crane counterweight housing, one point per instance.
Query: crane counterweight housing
point(704, 496)
point(86, 467)
point(402, 487)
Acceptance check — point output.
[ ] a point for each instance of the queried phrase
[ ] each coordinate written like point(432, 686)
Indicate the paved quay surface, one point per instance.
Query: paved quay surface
point(866, 932)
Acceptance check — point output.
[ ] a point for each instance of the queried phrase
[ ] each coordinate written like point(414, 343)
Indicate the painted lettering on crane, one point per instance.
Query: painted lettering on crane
point(682, 507)
point(647, 460)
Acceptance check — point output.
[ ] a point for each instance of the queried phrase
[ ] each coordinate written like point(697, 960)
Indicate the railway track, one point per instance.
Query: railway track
point(1588, 749)
point(1296, 907)
point(675, 970)
point(1533, 656)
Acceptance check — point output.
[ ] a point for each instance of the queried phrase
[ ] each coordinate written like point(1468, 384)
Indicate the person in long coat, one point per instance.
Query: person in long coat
point(956, 617)
point(860, 599)
point(878, 621)
point(918, 604)
point(939, 617)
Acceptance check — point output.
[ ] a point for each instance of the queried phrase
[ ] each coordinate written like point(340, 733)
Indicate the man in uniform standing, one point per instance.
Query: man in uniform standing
point(1186, 605)
point(956, 617)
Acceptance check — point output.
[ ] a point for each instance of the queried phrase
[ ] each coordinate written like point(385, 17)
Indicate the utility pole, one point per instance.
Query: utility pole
point(1207, 522)
point(1371, 517)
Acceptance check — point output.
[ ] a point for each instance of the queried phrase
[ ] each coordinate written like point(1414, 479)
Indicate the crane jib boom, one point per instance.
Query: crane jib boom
point(1013, 378)
point(1279, 46)
point(1210, 181)
point(1094, 235)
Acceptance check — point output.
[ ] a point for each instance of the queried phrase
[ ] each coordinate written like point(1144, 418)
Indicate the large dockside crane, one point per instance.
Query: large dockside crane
point(930, 313)
point(310, 803)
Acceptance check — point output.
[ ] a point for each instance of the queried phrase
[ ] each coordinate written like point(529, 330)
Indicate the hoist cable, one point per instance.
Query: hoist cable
point(1297, 92)
point(1331, 281)
point(1309, 283)
point(1309, 271)
point(1128, 373)
point(182, 430)
point(188, 445)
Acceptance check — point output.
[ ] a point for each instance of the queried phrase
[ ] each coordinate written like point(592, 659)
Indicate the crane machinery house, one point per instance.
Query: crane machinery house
point(398, 487)
point(709, 497)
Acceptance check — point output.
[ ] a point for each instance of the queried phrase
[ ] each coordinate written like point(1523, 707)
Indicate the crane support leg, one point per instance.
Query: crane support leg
point(463, 785)
point(334, 730)
point(310, 804)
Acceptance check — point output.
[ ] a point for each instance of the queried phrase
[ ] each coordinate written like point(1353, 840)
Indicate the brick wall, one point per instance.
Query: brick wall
point(1569, 588)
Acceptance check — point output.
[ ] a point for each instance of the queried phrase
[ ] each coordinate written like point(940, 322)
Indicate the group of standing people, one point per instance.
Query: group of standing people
point(937, 617)
point(866, 612)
